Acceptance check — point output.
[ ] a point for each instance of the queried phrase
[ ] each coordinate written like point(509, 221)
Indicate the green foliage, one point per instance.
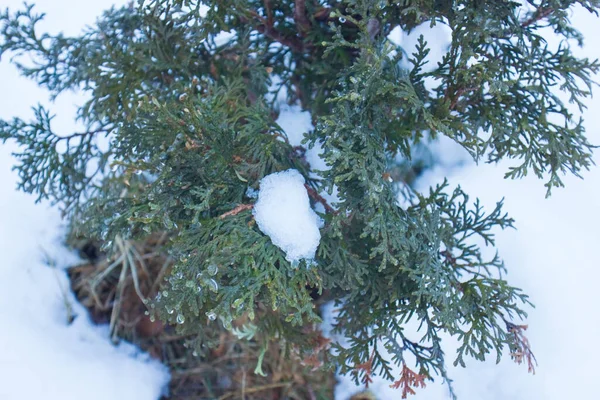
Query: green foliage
point(189, 118)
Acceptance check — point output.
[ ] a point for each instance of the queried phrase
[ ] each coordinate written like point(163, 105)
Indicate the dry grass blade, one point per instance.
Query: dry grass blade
point(114, 292)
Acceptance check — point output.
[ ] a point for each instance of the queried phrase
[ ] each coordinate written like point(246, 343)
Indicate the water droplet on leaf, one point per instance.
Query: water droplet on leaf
point(212, 269)
point(213, 285)
point(211, 315)
point(238, 303)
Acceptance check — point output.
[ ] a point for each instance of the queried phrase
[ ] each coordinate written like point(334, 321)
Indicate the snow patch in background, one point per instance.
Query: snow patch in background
point(42, 356)
point(283, 213)
point(297, 125)
point(438, 39)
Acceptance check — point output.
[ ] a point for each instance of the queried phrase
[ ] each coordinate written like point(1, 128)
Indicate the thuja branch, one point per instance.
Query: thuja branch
point(300, 17)
point(89, 133)
point(320, 199)
point(538, 15)
point(388, 264)
point(311, 192)
point(262, 25)
point(236, 210)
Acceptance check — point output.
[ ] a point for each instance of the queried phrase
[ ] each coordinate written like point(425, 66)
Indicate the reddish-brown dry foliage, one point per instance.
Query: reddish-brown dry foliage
point(521, 348)
point(367, 368)
point(408, 381)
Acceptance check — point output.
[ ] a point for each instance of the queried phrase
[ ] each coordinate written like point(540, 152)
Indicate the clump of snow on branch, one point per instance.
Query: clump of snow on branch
point(283, 213)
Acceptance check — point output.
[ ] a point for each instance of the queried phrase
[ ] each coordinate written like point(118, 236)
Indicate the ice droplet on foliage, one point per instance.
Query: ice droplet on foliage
point(212, 269)
point(238, 303)
point(212, 285)
point(180, 319)
point(211, 315)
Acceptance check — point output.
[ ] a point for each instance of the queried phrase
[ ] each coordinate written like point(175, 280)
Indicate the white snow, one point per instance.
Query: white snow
point(438, 38)
point(553, 255)
point(297, 125)
point(283, 213)
point(42, 356)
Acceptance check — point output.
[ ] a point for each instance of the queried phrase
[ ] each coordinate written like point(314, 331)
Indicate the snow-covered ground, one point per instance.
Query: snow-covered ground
point(42, 356)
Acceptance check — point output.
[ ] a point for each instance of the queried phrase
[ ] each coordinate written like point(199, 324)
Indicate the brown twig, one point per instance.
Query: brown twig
point(317, 197)
point(300, 16)
point(459, 93)
point(539, 14)
point(237, 210)
point(270, 31)
point(269, 12)
point(322, 14)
